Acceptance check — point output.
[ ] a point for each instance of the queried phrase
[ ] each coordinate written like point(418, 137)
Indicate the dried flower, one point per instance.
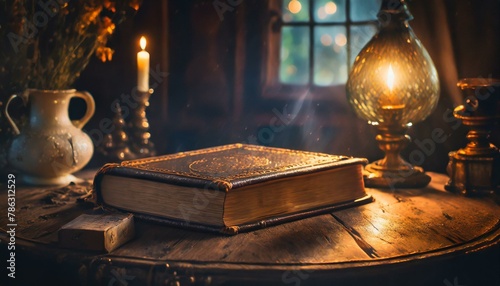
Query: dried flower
point(104, 53)
point(46, 44)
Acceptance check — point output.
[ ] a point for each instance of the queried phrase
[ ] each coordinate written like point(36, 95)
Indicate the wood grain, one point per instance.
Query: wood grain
point(400, 228)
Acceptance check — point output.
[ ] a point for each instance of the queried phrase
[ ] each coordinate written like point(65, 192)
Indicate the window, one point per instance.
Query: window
point(314, 43)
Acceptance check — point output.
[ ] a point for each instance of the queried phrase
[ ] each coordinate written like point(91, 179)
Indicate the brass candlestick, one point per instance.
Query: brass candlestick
point(140, 138)
point(115, 144)
point(392, 170)
point(475, 169)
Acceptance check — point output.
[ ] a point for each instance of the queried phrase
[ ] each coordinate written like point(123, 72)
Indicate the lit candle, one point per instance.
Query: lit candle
point(390, 78)
point(390, 97)
point(143, 67)
point(391, 111)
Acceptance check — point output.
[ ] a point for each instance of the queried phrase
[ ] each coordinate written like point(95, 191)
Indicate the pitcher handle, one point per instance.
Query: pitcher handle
point(15, 129)
point(89, 100)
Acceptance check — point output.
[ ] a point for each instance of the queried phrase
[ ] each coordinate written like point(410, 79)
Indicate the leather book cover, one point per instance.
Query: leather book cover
point(229, 166)
point(226, 168)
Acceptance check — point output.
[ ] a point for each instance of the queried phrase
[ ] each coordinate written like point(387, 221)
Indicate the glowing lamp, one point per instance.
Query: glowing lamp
point(393, 84)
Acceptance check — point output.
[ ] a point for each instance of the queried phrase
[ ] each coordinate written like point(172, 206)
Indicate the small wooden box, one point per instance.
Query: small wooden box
point(102, 232)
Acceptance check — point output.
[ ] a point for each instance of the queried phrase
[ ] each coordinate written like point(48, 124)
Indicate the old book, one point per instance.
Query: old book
point(232, 188)
point(97, 232)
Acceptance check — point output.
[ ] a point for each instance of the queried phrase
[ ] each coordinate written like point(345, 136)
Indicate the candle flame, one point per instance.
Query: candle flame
point(142, 42)
point(390, 78)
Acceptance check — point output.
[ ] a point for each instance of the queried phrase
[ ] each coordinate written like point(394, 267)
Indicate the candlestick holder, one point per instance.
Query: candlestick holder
point(140, 138)
point(475, 169)
point(115, 144)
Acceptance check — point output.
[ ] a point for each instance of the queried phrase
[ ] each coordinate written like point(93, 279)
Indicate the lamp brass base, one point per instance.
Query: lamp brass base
point(392, 171)
point(378, 176)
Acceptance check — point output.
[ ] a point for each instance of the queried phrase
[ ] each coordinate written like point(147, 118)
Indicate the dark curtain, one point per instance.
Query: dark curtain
point(463, 39)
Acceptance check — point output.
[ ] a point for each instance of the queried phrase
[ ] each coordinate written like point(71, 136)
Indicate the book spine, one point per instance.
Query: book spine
point(96, 186)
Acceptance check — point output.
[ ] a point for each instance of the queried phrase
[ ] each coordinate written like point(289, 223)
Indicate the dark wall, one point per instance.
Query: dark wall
point(215, 88)
point(212, 94)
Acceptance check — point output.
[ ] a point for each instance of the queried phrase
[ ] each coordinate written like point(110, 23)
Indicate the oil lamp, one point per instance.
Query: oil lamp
point(393, 84)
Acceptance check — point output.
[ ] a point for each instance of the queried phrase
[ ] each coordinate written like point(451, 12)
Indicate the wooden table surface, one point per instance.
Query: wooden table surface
point(405, 237)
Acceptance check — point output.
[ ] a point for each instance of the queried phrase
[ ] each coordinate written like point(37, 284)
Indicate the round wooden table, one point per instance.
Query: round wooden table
point(405, 237)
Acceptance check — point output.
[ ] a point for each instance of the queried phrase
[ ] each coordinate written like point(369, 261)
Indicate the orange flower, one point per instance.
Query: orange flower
point(135, 4)
point(104, 53)
point(109, 5)
point(108, 25)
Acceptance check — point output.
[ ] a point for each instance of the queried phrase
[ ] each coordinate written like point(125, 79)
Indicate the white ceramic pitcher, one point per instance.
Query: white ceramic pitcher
point(50, 147)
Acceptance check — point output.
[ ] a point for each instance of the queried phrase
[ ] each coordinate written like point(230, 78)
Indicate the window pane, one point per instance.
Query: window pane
point(294, 63)
point(364, 10)
point(360, 35)
point(330, 55)
point(329, 10)
point(295, 11)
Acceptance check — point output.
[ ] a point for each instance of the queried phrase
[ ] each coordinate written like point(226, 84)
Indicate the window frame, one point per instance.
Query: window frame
point(272, 87)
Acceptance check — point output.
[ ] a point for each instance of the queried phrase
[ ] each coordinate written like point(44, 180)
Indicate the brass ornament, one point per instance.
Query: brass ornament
point(475, 169)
